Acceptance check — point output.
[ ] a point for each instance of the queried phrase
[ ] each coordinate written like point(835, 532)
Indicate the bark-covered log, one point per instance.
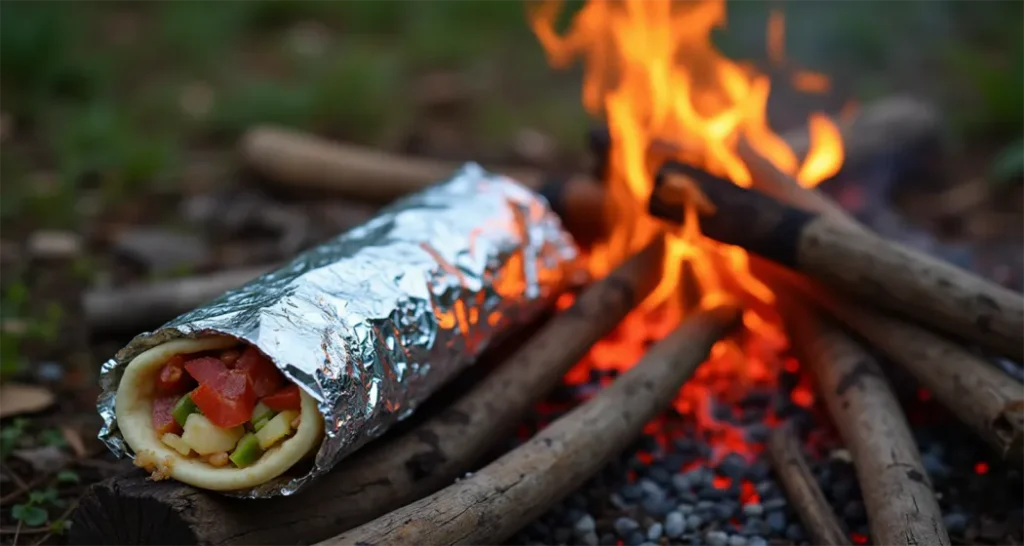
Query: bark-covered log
point(898, 495)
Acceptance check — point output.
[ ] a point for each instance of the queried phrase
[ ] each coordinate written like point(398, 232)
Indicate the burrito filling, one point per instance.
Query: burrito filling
point(224, 407)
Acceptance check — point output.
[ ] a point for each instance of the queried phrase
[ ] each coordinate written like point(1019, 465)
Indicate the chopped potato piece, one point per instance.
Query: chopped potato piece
point(176, 443)
point(206, 438)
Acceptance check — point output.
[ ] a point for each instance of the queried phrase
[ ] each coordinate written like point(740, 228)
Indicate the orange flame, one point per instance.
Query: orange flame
point(653, 74)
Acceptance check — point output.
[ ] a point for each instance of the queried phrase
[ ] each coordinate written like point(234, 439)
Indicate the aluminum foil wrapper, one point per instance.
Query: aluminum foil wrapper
point(372, 322)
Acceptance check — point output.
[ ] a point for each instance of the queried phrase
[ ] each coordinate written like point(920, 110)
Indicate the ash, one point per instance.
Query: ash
point(675, 485)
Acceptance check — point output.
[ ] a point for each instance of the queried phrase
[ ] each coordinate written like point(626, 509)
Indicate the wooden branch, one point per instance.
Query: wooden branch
point(983, 397)
point(499, 499)
point(801, 487)
point(304, 162)
point(132, 308)
point(387, 474)
point(898, 494)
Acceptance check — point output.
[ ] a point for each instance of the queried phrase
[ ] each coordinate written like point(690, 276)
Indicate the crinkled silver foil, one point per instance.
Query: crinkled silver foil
point(372, 322)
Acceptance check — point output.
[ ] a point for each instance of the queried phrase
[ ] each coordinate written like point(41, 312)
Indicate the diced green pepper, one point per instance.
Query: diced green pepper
point(261, 411)
point(247, 451)
point(183, 409)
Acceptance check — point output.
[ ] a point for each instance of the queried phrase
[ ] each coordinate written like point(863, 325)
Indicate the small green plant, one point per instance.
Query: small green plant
point(53, 437)
point(35, 512)
point(11, 435)
point(68, 476)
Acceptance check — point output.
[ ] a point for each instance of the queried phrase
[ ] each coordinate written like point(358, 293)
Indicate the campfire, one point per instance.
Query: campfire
point(731, 302)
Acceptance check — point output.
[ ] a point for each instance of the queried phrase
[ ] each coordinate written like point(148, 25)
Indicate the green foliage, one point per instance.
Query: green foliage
point(53, 437)
point(1008, 165)
point(35, 513)
point(18, 325)
point(68, 476)
point(39, 57)
point(30, 515)
point(11, 435)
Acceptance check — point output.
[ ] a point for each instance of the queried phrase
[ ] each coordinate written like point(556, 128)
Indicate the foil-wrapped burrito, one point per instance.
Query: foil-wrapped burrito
point(268, 387)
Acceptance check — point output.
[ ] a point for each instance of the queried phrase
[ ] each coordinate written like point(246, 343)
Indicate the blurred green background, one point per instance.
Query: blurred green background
point(123, 95)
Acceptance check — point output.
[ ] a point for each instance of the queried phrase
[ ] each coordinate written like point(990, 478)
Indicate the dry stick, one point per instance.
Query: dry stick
point(801, 487)
point(983, 397)
point(130, 308)
point(987, 400)
point(384, 476)
point(898, 494)
point(305, 162)
point(499, 499)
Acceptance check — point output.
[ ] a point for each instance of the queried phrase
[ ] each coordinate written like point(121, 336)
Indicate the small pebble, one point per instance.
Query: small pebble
point(776, 521)
point(689, 497)
point(659, 475)
point(585, 524)
point(716, 538)
point(737, 540)
point(724, 510)
point(757, 471)
point(631, 492)
point(657, 508)
point(654, 532)
point(693, 521)
point(681, 483)
point(955, 522)
point(675, 525)
point(705, 505)
point(608, 539)
point(651, 489)
point(732, 466)
point(685, 509)
point(590, 539)
point(618, 501)
point(758, 433)
point(625, 526)
point(766, 489)
point(756, 541)
point(774, 504)
point(753, 510)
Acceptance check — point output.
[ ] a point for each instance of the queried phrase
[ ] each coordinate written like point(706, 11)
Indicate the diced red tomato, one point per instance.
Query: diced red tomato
point(205, 368)
point(226, 400)
point(265, 377)
point(172, 378)
point(163, 421)
point(284, 399)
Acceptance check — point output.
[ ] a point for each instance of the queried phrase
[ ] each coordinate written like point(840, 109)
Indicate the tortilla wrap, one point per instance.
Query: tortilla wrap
point(134, 408)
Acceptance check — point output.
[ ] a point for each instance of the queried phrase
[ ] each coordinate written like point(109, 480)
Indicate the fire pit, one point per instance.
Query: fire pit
point(606, 424)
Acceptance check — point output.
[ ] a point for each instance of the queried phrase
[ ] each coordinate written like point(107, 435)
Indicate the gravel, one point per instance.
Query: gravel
point(646, 497)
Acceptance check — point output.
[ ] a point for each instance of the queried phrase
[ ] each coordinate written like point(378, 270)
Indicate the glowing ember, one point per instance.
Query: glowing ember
point(653, 74)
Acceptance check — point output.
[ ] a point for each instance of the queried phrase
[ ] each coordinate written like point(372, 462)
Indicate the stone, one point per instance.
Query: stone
point(54, 245)
point(772, 505)
point(675, 525)
point(654, 532)
point(624, 526)
point(716, 538)
point(585, 524)
point(753, 510)
point(737, 540)
point(776, 521)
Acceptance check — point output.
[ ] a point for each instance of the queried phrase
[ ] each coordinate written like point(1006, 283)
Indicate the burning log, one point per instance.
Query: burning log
point(386, 475)
point(802, 488)
point(305, 162)
point(857, 261)
point(128, 308)
point(898, 495)
point(499, 499)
